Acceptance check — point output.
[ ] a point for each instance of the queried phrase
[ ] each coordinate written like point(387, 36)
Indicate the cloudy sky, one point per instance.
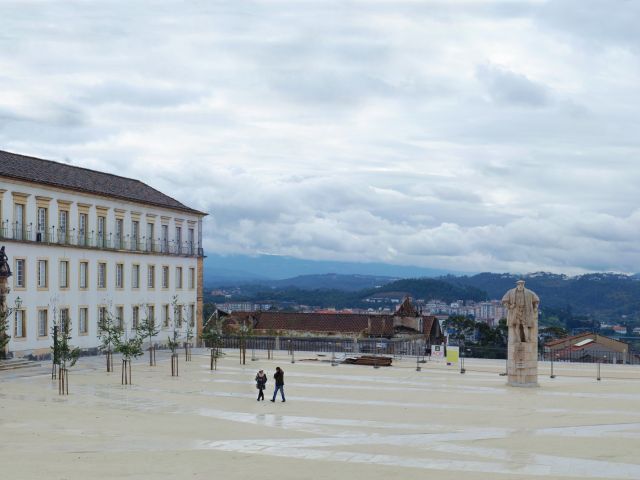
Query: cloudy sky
point(469, 135)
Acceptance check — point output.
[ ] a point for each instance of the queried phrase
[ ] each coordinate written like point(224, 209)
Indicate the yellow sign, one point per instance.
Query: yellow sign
point(453, 353)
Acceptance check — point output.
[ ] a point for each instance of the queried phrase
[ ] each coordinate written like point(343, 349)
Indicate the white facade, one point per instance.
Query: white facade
point(54, 235)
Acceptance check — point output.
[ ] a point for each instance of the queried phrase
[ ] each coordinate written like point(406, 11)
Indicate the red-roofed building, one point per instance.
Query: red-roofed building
point(405, 322)
point(587, 347)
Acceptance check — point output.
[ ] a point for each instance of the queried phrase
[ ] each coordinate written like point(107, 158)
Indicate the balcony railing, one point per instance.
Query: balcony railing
point(74, 238)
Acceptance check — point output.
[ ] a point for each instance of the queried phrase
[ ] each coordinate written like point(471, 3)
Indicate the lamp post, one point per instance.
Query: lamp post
point(18, 303)
point(293, 356)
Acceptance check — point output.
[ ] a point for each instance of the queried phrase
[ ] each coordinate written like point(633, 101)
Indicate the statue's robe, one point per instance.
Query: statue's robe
point(531, 302)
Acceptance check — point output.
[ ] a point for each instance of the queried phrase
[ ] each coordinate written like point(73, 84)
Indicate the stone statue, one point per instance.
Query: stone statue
point(5, 271)
point(522, 312)
point(522, 349)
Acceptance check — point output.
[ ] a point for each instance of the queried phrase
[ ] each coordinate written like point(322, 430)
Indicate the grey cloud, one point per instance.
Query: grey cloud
point(593, 23)
point(349, 131)
point(143, 95)
point(508, 87)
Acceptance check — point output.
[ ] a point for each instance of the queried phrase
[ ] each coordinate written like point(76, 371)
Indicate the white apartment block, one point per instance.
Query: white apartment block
point(81, 241)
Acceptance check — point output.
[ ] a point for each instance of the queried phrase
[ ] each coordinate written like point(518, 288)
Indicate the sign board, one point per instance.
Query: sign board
point(437, 352)
point(453, 353)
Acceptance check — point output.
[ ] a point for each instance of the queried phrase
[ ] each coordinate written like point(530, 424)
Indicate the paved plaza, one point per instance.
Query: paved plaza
point(338, 422)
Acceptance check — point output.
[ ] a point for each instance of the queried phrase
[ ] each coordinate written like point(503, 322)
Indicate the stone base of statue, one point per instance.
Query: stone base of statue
point(522, 364)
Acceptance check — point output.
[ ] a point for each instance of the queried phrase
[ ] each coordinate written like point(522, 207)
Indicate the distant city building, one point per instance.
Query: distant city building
point(243, 306)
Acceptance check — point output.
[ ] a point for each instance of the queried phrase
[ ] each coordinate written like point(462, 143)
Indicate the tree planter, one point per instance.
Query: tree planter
point(63, 381)
point(126, 372)
point(174, 364)
point(152, 356)
point(109, 355)
point(187, 352)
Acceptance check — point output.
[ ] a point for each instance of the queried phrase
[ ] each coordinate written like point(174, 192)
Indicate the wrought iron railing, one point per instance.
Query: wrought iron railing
point(92, 239)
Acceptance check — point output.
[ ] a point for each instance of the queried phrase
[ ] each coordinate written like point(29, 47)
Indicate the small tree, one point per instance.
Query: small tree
point(148, 329)
point(129, 348)
point(173, 339)
point(188, 335)
point(244, 332)
point(108, 332)
point(67, 356)
point(212, 334)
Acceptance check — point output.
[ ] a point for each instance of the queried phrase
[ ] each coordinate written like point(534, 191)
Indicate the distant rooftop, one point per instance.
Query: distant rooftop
point(48, 172)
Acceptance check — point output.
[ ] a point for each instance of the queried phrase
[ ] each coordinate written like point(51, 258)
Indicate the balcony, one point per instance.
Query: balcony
point(98, 241)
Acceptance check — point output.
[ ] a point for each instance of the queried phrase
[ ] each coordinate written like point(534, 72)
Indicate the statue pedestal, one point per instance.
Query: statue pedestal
point(522, 364)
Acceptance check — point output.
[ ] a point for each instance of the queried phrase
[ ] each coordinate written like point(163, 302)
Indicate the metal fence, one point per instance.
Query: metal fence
point(415, 347)
point(591, 356)
point(380, 346)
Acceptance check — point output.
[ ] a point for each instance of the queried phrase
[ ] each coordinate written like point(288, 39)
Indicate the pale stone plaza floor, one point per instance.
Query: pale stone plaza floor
point(338, 422)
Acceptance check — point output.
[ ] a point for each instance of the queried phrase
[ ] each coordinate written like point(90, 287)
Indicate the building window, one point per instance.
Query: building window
point(150, 237)
point(120, 317)
point(151, 276)
point(135, 317)
point(41, 230)
point(42, 274)
point(165, 238)
point(18, 217)
point(178, 277)
point(82, 229)
point(119, 275)
point(101, 239)
point(84, 275)
point(151, 313)
point(64, 274)
point(63, 226)
point(192, 237)
point(20, 273)
point(192, 315)
point(192, 278)
point(135, 276)
point(178, 240)
point(165, 316)
point(43, 321)
point(165, 277)
point(64, 319)
point(20, 329)
point(119, 232)
point(178, 315)
point(102, 275)
point(83, 320)
point(102, 317)
point(135, 233)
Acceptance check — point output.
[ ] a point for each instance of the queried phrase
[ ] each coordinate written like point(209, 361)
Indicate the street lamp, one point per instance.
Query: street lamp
point(18, 302)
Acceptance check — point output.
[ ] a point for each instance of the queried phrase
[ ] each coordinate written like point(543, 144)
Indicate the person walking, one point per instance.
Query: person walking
point(279, 378)
point(261, 384)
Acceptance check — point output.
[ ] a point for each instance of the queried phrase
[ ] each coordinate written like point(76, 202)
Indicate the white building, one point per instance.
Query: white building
point(81, 241)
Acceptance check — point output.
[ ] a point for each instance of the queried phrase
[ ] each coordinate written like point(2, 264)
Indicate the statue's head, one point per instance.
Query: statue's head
point(520, 285)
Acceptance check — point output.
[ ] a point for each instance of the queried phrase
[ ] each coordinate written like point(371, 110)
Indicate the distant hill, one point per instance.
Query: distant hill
point(430, 288)
point(331, 281)
point(601, 294)
point(426, 288)
point(573, 301)
point(223, 269)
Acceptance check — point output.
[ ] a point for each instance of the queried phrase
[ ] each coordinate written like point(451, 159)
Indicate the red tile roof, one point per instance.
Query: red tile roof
point(58, 174)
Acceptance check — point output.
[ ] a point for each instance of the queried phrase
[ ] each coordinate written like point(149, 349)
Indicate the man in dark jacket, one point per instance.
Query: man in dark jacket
point(279, 378)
